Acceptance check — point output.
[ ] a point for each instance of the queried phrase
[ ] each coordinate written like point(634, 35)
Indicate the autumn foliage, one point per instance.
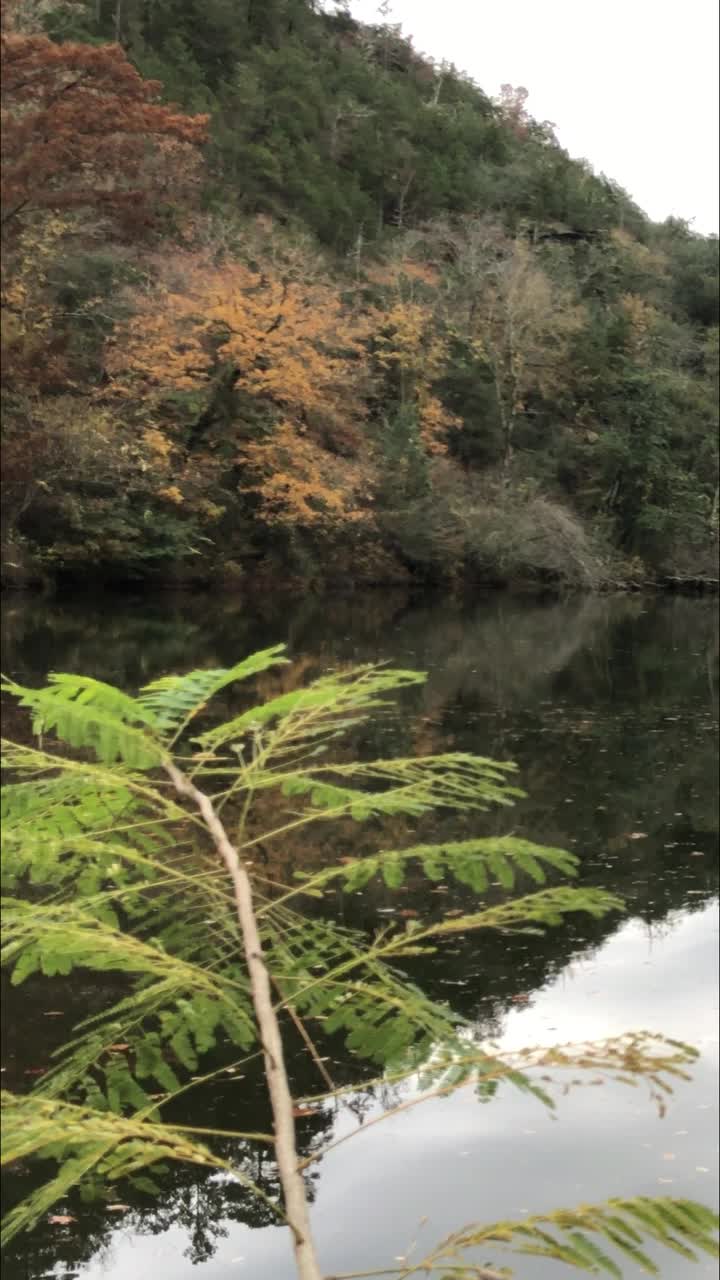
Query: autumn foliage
point(398, 312)
point(288, 343)
point(287, 340)
point(81, 128)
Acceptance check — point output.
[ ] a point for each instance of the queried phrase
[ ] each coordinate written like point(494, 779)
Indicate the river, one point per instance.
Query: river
point(610, 708)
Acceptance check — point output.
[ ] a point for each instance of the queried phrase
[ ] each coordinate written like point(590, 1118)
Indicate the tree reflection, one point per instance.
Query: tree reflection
point(609, 706)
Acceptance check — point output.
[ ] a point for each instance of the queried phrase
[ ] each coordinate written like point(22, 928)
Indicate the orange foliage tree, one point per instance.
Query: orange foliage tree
point(290, 343)
point(301, 485)
point(81, 128)
point(410, 344)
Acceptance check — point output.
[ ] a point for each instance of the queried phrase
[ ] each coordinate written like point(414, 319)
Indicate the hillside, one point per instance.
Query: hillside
point(283, 300)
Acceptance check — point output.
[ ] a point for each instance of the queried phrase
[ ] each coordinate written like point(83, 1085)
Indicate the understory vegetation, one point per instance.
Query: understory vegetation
point(282, 296)
point(138, 841)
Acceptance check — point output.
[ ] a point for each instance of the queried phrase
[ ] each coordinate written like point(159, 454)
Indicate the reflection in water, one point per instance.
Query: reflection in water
point(609, 706)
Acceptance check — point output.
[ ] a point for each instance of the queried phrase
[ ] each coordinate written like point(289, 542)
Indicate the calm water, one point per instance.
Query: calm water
point(610, 709)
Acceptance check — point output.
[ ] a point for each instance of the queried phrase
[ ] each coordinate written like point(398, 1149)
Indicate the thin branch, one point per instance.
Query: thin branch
point(275, 1071)
point(305, 1036)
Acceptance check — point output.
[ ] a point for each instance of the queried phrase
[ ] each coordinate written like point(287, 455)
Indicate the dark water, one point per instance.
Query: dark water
point(609, 706)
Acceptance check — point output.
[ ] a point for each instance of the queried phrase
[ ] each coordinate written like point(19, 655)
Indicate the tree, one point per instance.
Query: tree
point(281, 337)
point(82, 129)
point(412, 350)
point(104, 836)
point(287, 340)
point(516, 318)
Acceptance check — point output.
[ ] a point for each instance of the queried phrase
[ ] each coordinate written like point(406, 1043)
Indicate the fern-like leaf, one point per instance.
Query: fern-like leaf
point(471, 862)
point(83, 1139)
point(173, 701)
point(330, 703)
point(585, 1237)
point(89, 714)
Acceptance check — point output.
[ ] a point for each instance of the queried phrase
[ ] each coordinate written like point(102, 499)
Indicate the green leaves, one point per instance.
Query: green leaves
point(89, 714)
point(410, 786)
point(176, 1002)
point(475, 863)
point(128, 881)
point(327, 706)
point(536, 910)
point(173, 701)
point(80, 1139)
point(582, 1237)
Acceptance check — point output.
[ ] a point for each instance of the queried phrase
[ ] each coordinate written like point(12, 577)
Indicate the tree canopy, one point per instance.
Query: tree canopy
point(337, 311)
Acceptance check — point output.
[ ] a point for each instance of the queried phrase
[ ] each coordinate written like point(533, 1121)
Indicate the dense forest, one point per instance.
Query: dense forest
point(284, 300)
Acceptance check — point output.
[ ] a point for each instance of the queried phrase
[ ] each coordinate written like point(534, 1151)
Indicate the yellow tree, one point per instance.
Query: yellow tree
point(411, 344)
point(286, 340)
point(515, 317)
point(301, 485)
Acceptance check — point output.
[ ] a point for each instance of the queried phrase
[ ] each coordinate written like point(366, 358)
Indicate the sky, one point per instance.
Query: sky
point(631, 85)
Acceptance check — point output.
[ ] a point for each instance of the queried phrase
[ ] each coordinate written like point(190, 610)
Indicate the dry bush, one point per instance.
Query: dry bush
point(469, 525)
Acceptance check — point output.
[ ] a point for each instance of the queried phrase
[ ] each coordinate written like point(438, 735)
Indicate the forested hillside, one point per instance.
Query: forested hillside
point(283, 298)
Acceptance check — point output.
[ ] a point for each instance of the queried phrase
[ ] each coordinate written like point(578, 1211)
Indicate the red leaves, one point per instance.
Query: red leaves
point(77, 120)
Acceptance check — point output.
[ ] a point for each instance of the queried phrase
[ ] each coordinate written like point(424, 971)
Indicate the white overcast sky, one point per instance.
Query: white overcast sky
point(632, 85)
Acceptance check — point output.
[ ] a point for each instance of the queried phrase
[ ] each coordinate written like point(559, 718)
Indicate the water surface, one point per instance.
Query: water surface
point(609, 706)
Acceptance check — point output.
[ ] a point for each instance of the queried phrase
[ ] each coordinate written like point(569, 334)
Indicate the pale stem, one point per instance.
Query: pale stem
point(281, 1100)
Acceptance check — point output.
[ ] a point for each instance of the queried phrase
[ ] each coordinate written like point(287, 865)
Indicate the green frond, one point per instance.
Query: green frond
point(86, 691)
point(627, 1058)
point(131, 883)
point(173, 701)
point(80, 1140)
point(528, 914)
point(176, 1003)
point(89, 714)
point(586, 1237)
point(381, 1014)
point(410, 786)
point(330, 703)
point(31, 763)
point(64, 805)
point(475, 863)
